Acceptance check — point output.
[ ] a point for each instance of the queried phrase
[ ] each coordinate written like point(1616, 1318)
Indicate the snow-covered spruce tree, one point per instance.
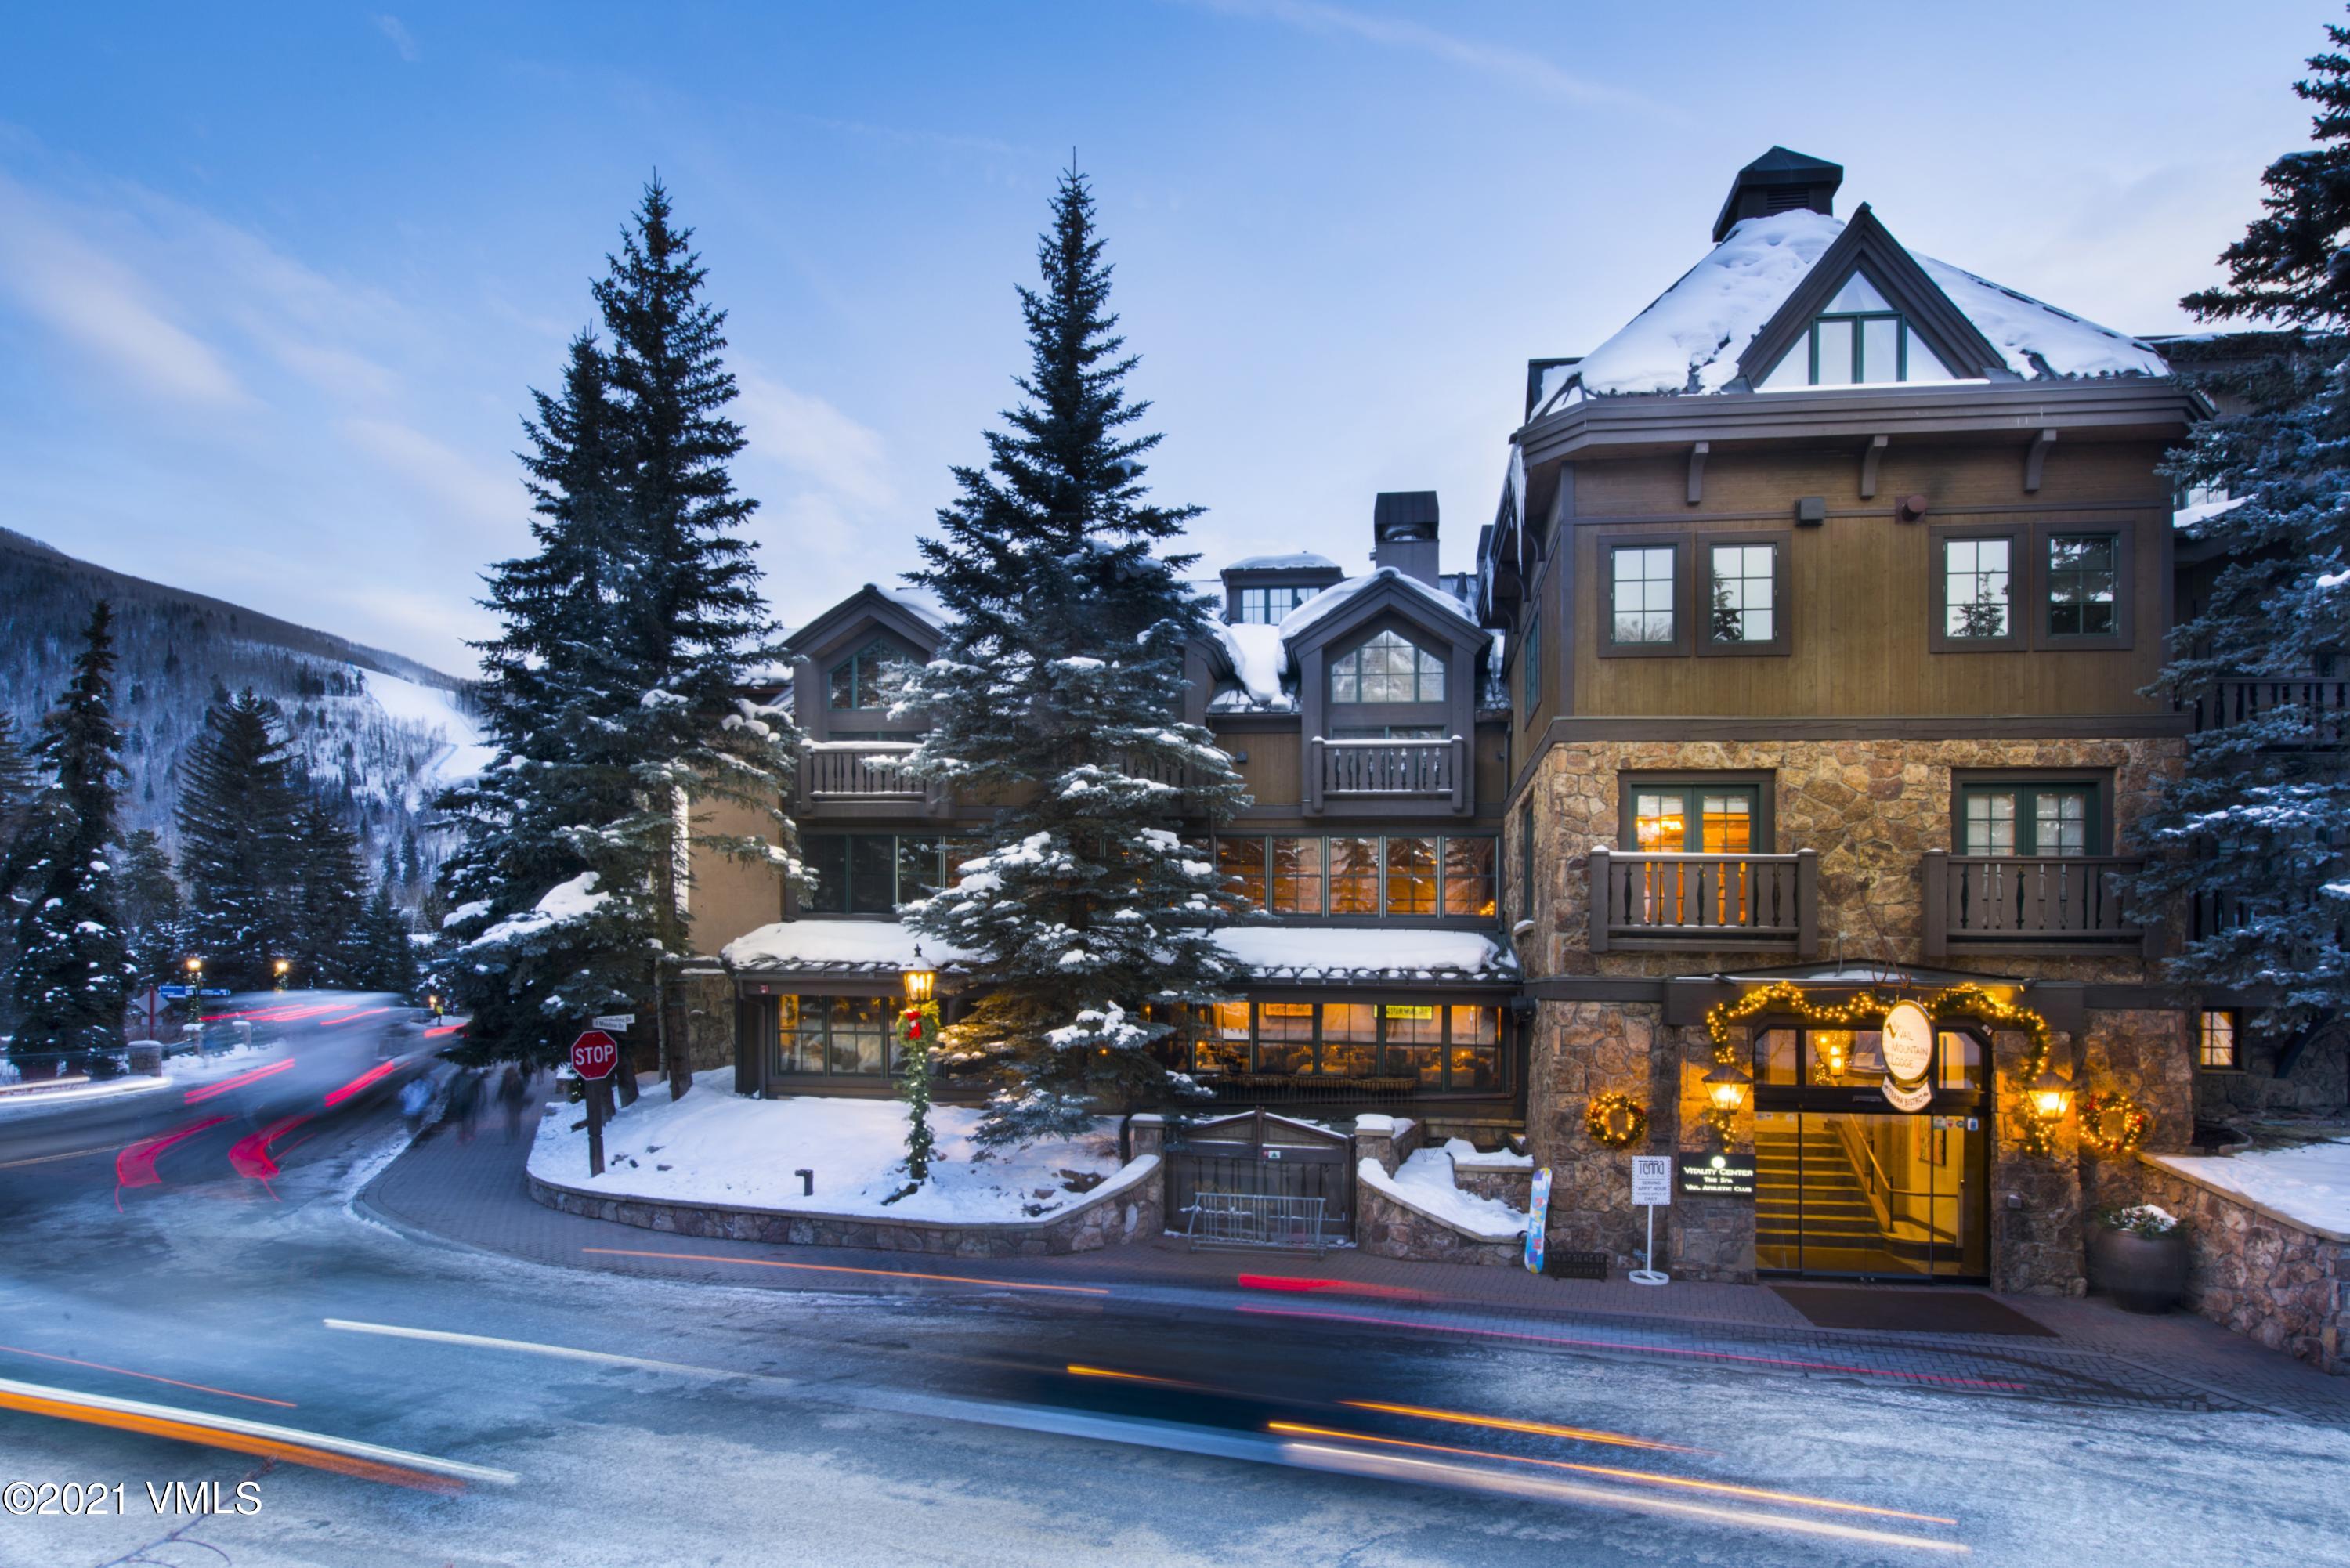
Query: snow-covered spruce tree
point(238, 800)
point(73, 968)
point(329, 902)
point(2256, 827)
point(150, 899)
point(20, 789)
point(1059, 684)
point(383, 946)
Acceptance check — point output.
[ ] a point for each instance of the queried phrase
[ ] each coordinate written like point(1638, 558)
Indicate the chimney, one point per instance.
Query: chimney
point(1403, 532)
point(1779, 181)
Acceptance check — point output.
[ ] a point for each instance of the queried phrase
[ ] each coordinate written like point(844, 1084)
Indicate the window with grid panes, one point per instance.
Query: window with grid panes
point(1350, 1040)
point(1241, 863)
point(1640, 595)
point(1976, 599)
point(1297, 875)
point(2215, 1042)
point(2028, 819)
point(1285, 1037)
point(1223, 1046)
point(1742, 592)
point(858, 682)
point(1353, 875)
point(1389, 668)
point(2082, 584)
point(1468, 877)
point(839, 1035)
point(1859, 338)
point(1414, 1047)
point(1474, 1048)
point(1411, 877)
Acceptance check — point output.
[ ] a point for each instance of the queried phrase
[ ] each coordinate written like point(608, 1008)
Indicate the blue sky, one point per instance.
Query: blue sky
point(274, 280)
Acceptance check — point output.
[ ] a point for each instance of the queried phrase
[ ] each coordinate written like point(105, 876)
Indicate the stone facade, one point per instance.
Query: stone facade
point(1388, 1227)
point(1130, 1213)
point(2283, 1282)
point(706, 1001)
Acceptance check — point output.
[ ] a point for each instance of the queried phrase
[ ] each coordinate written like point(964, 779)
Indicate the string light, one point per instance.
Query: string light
point(1616, 1120)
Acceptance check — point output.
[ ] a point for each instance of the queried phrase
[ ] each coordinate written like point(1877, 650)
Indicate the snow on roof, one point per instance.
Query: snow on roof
point(1337, 596)
point(1330, 953)
point(2204, 511)
point(847, 946)
point(918, 601)
point(1296, 561)
point(1689, 338)
point(1259, 659)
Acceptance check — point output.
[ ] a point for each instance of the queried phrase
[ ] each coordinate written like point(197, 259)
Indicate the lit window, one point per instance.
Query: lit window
point(1387, 668)
point(1745, 586)
point(2082, 580)
point(1241, 860)
point(1297, 875)
point(834, 1035)
point(1641, 595)
point(858, 681)
point(1859, 338)
point(1975, 595)
point(2215, 1047)
point(1411, 877)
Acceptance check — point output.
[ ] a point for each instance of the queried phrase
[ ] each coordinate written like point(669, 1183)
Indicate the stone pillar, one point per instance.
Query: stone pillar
point(2037, 1244)
point(1712, 1237)
point(1580, 1049)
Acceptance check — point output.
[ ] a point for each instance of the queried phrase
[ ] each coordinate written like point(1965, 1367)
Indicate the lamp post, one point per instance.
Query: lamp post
point(918, 1024)
point(281, 968)
point(195, 967)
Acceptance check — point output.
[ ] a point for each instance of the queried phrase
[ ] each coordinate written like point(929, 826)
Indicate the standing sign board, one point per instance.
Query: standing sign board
point(1652, 1188)
point(1907, 1041)
point(1538, 1220)
point(593, 1056)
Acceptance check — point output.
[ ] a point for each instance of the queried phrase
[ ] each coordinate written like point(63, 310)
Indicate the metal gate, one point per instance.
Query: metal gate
point(1259, 1155)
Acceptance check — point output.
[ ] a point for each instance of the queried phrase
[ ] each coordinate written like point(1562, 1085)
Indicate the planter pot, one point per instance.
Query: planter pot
point(2142, 1273)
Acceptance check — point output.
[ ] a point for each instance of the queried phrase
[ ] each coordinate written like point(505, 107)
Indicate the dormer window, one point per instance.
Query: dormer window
point(1389, 668)
point(857, 681)
point(1859, 338)
point(1265, 606)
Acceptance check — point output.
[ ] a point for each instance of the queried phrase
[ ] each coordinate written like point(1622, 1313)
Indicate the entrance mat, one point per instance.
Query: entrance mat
point(1910, 1311)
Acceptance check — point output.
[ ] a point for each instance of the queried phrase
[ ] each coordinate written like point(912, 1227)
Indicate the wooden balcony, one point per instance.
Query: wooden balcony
point(1719, 902)
point(2029, 904)
point(1429, 774)
point(2326, 699)
point(874, 772)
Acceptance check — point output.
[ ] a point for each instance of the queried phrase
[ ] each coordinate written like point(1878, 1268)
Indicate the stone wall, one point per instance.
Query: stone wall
point(1514, 1188)
point(1579, 1049)
point(2251, 1270)
point(1388, 1227)
point(707, 1003)
point(1131, 1212)
point(2320, 1080)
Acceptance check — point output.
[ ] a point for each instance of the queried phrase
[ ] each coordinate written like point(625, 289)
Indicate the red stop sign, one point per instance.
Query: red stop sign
point(593, 1054)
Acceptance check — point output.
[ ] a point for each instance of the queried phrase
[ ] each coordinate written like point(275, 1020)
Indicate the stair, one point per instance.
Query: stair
point(1807, 1192)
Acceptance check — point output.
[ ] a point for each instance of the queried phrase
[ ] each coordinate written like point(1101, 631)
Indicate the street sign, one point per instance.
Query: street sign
point(176, 993)
point(1653, 1179)
point(1719, 1175)
point(621, 1021)
point(594, 1054)
point(1537, 1220)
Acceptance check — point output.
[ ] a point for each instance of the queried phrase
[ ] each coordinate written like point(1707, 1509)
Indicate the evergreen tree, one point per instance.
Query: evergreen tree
point(73, 968)
point(20, 792)
point(150, 909)
point(2255, 825)
point(238, 800)
point(384, 947)
point(1055, 686)
point(329, 903)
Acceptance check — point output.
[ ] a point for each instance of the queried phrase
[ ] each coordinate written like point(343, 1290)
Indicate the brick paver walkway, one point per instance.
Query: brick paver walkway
point(473, 1194)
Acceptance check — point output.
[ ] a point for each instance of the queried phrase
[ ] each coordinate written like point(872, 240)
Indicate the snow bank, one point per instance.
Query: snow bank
point(563, 903)
point(435, 710)
point(1424, 1182)
point(1258, 659)
point(875, 944)
point(1310, 952)
point(2310, 1184)
point(1467, 1156)
point(715, 1147)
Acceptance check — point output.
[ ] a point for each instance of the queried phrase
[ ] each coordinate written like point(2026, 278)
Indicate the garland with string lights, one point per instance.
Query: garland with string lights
point(918, 1030)
point(1865, 1010)
point(2128, 1121)
point(1616, 1120)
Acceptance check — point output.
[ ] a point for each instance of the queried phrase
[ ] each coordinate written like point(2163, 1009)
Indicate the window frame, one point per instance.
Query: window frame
point(778, 1072)
point(1530, 670)
point(899, 654)
point(806, 907)
point(2235, 1062)
point(1439, 870)
point(1678, 645)
point(2027, 783)
point(2123, 634)
point(2019, 596)
point(1362, 712)
point(1782, 639)
point(1762, 785)
point(1444, 1009)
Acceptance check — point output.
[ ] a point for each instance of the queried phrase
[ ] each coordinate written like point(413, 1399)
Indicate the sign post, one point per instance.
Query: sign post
point(593, 1055)
point(1652, 1188)
point(1538, 1220)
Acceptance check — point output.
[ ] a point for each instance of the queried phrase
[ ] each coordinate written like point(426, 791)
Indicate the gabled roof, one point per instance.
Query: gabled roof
point(1867, 247)
point(911, 613)
point(1694, 336)
point(1385, 581)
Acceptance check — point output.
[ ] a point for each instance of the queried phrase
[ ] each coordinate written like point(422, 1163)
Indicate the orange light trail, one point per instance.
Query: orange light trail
point(337, 1096)
point(1074, 1370)
point(150, 1376)
point(1505, 1424)
point(197, 1096)
point(844, 1269)
point(1645, 1477)
point(434, 1034)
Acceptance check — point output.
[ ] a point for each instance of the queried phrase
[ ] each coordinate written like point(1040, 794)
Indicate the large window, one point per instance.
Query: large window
point(1859, 338)
point(1431, 1044)
point(2083, 585)
point(1398, 877)
point(2028, 819)
point(863, 680)
point(1530, 670)
point(1641, 596)
point(874, 873)
point(1745, 592)
point(834, 1035)
point(1266, 607)
point(1389, 668)
point(1692, 819)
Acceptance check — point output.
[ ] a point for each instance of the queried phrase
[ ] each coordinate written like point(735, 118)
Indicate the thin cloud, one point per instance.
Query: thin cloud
point(1523, 67)
point(458, 483)
point(389, 27)
point(814, 440)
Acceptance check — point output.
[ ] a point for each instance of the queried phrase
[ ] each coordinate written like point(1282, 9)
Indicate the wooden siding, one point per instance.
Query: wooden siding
point(728, 896)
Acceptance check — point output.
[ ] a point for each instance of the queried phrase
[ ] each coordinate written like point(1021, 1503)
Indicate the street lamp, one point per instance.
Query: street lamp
point(1726, 1087)
point(196, 994)
point(914, 1061)
point(921, 980)
point(281, 968)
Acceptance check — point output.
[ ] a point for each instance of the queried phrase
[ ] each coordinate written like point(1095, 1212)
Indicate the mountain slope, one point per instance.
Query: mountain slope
point(379, 734)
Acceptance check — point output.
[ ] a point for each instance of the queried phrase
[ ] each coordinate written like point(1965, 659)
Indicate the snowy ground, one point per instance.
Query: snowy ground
point(433, 708)
point(1425, 1181)
point(2311, 1184)
point(716, 1147)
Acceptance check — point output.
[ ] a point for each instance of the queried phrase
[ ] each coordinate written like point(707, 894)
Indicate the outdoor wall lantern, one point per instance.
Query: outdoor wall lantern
point(2051, 1097)
point(1726, 1087)
point(921, 978)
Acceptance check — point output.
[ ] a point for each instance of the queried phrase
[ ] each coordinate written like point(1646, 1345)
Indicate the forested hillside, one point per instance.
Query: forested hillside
point(377, 733)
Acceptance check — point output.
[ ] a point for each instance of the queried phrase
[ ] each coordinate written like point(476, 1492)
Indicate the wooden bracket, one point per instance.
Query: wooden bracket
point(1869, 454)
point(2034, 456)
point(1697, 472)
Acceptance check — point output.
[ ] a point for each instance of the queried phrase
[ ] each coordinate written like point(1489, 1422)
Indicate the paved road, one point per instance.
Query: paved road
point(620, 1417)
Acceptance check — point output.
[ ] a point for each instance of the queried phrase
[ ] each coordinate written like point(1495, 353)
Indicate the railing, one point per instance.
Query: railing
point(1653, 899)
point(1387, 771)
point(2030, 903)
point(859, 770)
point(2326, 699)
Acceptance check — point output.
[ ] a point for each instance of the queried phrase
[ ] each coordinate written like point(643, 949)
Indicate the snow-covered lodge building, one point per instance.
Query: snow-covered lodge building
point(1805, 660)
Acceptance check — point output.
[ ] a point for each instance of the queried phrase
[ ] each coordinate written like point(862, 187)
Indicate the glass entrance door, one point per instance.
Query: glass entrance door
point(1846, 1185)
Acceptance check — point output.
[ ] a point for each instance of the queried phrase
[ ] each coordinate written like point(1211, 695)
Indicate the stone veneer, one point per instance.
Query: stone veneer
point(1872, 809)
point(2252, 1270)
point(1385, 1228)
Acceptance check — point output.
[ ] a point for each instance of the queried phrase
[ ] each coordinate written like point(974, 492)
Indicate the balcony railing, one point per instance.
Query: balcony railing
point(859, 770)
point(1649, 900)
point(1386, 770)
point(2325, 698)
point(2016, 903)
